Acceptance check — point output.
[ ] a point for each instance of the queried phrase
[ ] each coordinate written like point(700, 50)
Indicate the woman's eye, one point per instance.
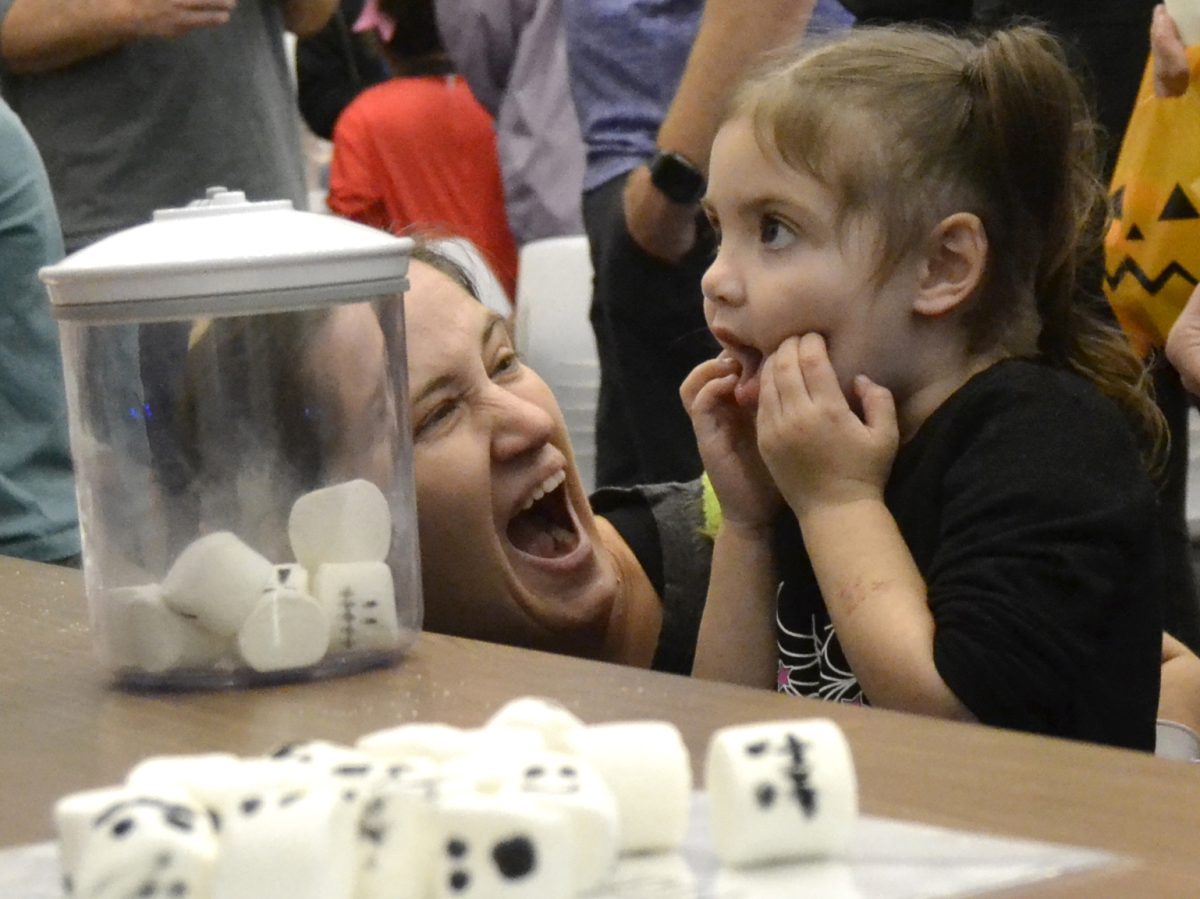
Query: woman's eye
point(507, 363)
point(435, 416)
point(774, 234)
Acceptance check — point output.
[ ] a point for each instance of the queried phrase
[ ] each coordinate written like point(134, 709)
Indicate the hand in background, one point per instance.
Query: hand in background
point(819, 452)
point(1183, 344)
point(664, 229)
point(172, 18)
point(1171, 72)
point(1179, 698)
point(725, 434)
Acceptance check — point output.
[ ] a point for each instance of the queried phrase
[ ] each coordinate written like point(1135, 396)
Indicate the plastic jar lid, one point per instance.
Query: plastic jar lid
point(225, 255)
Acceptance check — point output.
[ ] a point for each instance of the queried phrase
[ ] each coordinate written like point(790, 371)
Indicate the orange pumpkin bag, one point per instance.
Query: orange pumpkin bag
point(1152, 248)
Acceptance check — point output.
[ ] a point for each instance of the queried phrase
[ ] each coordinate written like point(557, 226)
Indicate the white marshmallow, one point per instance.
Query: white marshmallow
point(396, 837)
point(190, 773)
point(217, 580)
point(360, 600)
point(347, 522)
point(284, 630)
point(572, 786)
point(292, 576)
point(147, 846)
point(780, 790)
point(647, 766)
point(75, 813)
point(287, 843)
point(445, 743)
point(500, 847)
point(138, 630)
point(553, 721)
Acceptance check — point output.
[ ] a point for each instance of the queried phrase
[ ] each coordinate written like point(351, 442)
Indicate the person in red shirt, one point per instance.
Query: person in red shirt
point(419, 150)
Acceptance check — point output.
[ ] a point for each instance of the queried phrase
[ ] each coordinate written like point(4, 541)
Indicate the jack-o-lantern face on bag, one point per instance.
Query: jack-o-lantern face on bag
point(1152, 249)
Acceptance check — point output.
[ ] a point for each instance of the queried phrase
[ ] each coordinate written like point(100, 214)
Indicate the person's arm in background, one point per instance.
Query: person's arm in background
point(305, 18)
point(728, 44)
point(481, 37)
point(1179, 698)
point(1183, 344)
point(1171, 71)
point(43, 35)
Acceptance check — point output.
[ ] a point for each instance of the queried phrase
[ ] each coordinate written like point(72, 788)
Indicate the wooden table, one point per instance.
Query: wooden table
point(63, 728)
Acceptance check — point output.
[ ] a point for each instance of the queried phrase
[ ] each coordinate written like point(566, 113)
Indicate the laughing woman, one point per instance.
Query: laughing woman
point(512, 550)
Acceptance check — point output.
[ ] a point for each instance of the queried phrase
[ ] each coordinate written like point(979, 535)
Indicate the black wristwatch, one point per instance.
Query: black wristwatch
point(676, 178)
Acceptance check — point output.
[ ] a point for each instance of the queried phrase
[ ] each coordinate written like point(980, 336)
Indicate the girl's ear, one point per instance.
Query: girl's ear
point(953, 266)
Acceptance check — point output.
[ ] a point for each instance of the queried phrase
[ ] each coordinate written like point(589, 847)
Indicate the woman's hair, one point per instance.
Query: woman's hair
point(908, 126)
point(416, 46)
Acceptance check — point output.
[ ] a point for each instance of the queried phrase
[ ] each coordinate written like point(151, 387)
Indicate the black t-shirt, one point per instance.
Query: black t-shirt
point(1026, 508)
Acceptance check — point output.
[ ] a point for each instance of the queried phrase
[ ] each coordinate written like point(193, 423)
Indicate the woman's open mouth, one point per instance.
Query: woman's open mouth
point(546, 528)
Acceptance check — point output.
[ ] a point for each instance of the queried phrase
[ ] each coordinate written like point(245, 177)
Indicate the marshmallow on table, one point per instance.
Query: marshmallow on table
point(217, 580)
point(138, 630)
point(444, 742)
point(283, 841)
point(570, 785)
point(500, 847)
point(347, 522)
point(780, 790)
point(146, 846)
point(75, 813)
point(647, 766)
point(395, 834)
point(193, 774)
point(360, 600)
point(286, 629)
point(553, 721)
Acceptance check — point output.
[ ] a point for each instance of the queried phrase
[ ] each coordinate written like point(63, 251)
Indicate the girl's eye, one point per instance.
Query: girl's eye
point(774, 234)
point(434, 417)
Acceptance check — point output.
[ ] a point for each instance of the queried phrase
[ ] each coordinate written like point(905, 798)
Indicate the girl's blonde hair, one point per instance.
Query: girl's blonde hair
point(911, 125)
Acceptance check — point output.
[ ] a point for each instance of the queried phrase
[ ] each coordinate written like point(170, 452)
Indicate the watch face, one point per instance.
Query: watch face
point(676, 178)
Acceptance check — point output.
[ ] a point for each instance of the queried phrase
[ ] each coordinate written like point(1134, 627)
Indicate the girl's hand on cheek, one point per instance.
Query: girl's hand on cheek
point(819, 452)
point(725, 434)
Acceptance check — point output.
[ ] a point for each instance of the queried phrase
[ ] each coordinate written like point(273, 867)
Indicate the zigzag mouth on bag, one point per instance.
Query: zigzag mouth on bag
point(1151, 285)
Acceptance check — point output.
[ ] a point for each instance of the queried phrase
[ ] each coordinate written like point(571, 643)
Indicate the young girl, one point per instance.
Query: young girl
point(925, 444)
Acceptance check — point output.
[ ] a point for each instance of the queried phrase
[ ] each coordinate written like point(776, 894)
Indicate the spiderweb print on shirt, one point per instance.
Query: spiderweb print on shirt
point(811, 663)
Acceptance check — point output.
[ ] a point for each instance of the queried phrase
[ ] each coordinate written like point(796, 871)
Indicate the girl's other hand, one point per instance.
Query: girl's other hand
point(816, 448)
point(725, 434)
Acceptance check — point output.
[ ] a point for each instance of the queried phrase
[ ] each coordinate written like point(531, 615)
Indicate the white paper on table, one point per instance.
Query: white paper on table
point(888, 859)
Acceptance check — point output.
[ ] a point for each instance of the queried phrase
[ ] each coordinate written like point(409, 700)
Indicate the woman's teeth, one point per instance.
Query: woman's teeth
point(549, 485)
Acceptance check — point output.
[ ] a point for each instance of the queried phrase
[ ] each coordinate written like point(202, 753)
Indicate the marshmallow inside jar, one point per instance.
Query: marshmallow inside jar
point(237, 400)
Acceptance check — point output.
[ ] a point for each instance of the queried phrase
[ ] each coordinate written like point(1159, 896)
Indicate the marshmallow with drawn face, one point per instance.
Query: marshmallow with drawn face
point(146, 846)
point(283, 841)
point(500, 847)
point(395, 834)
point(359, 599)
point(648, 768)
point(217, 580)
point(780, 791)
point(347, 522)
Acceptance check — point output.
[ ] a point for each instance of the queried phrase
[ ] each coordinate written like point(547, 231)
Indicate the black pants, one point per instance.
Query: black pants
point(648, 318)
